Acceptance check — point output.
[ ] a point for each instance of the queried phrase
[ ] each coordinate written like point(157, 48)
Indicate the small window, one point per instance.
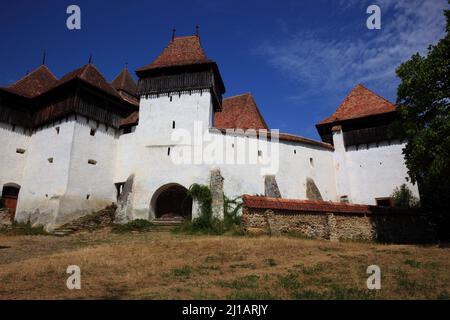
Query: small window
point(384, 202)
point(344, 199)
point(259, 153)
point(93, 162)
point(57, 130)
point(311, 162)
point(19, 150)
point(295, 151)
point(50, 160)
point(170, 98)
point(232, 145)
point(168, 151)
point(93, 131)
point(88, 196)
point(173, 124)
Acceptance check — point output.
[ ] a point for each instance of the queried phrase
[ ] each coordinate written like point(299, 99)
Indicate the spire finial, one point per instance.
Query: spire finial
point(197, 30)
point(44, 57)
point(90, 59)
point(173, 33)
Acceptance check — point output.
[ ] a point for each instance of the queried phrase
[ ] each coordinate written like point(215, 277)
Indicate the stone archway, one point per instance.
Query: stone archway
point(10, 193)
point(172, 202)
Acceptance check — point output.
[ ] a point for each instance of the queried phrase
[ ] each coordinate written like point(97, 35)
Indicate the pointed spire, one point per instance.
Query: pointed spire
point(90, 59)
point(197, 30)
point(173, 33)
point(44, 57)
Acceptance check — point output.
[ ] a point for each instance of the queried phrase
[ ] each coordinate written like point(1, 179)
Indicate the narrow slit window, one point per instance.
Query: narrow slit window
point(311, 162)
point(295, 151)
point(259, 153)
point(173, 124)
point(93, 131)
point(168, 151)
point(92, 161)
point(57, 130)
point(20, 150)
point(88, 196)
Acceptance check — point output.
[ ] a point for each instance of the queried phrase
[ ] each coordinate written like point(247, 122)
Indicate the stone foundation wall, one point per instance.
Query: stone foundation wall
point(384, 227)
point(5, 219)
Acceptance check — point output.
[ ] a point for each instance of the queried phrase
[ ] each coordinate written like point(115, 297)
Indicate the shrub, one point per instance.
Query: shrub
point(206, 223)
point(404, 198)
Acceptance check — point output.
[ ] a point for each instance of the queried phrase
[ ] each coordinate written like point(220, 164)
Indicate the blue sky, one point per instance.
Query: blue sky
point(298, 58)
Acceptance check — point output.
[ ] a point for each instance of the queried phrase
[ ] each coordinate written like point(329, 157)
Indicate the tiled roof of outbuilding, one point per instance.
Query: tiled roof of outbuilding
point(303, 205)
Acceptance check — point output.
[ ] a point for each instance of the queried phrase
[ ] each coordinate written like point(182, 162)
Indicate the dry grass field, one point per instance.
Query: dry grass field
point(162, 265)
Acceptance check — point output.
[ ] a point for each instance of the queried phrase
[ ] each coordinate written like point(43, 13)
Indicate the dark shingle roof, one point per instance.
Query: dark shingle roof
point(91, 75)
point(125, 82)
point(35, 83)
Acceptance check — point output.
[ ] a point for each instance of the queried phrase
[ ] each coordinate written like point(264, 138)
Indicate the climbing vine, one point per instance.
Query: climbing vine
point(206, 222)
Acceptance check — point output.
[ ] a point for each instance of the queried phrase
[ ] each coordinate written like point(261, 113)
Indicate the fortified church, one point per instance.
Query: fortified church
point(74, 145)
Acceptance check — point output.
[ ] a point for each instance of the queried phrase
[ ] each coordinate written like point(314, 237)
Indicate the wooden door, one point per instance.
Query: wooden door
point(10, 202)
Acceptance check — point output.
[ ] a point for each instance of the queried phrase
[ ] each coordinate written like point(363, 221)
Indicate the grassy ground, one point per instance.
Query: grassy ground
point(162, 265)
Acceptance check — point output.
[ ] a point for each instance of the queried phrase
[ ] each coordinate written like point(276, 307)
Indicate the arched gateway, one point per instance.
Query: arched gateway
point(172, 202)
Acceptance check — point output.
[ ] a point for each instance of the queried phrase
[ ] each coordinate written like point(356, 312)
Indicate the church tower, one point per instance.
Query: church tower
point(180, 87)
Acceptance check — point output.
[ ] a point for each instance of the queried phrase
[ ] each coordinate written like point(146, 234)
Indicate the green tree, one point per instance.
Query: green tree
point(423, 101)
point(404, 198)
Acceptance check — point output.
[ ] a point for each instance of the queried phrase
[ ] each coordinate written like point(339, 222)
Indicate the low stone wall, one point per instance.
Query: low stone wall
point(376, 224)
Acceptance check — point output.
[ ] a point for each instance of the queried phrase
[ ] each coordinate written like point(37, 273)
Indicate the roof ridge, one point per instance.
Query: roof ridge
point(238, 95)
point(32, 72)
point(373, 92)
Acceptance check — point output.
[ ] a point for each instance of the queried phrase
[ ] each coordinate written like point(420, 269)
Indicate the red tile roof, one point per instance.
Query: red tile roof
point(179, 52)
point(35, 83)
point(258, 202)
point(281, 136)
point(240, 112)
point(125, 82)
point(91, 75)
point(132, 119)
point(360, 103)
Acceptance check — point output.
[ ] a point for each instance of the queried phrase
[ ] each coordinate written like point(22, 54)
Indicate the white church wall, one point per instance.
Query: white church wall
point(45, 173)
point(91, 172)
point(125, 157)
point(12, 162)
point(152, 139)
point(365, 173)
point(375, 172)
